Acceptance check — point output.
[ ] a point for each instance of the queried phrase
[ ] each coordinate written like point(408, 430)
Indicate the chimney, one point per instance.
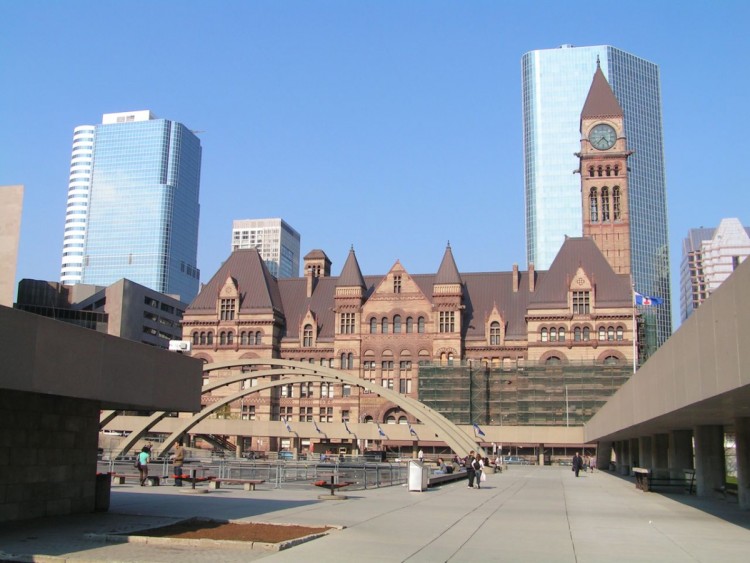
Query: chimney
point(515, 278)
point(532, 277)
point(312, 279)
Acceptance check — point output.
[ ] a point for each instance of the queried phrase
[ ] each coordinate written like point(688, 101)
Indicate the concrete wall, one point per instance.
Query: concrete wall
point(47, 455)
point(11, 206)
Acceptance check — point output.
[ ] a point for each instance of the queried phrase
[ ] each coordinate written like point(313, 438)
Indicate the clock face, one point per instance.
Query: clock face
point(602, 137)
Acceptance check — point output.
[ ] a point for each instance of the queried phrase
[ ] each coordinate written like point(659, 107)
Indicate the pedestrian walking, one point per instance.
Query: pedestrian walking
point(577, 463)
point(469, 465)
point(177, 461)
point(478, 466)
point(592, 463)
point(142, 464)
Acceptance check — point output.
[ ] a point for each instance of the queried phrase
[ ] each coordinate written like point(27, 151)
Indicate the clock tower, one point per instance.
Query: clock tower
point(604, 174)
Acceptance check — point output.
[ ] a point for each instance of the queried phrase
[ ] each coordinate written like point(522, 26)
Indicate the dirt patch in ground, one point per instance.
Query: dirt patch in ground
point(252, 531)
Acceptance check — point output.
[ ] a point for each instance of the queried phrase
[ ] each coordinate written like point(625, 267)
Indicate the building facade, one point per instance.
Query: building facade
point(709, 256)
point(133, 197)
point(11, 209)
point(555, 85)
point(124, 309)
point(388, 328)
point(277, 242)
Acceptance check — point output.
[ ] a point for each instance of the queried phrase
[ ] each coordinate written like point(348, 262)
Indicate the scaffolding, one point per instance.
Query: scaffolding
point(523, 394)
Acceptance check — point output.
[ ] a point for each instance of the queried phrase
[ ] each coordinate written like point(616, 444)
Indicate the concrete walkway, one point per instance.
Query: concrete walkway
point(527, 513)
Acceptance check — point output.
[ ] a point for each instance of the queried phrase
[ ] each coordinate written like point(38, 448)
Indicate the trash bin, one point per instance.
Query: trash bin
point(419, 476)
point(102, 491)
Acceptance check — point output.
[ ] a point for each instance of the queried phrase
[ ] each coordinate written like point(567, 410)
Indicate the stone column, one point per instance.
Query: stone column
point(680, 455)
point(240, 442)
point(644, 452)
point(623, 466)
point(709, 459)
point(742, 444)
point(659, 452)
point(603, 455)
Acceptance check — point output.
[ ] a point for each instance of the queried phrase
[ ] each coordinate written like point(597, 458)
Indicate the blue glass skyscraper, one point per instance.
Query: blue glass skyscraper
point(555, 85)
point(143, 209)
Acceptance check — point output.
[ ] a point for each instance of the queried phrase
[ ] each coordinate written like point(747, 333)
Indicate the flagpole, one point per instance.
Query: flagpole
point(635, 328)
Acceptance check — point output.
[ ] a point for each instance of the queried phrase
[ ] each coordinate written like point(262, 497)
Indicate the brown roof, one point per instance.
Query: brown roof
point(601, 101)
point(612, 290)
point(482, 291)
point(351, 275)
point(448, 272)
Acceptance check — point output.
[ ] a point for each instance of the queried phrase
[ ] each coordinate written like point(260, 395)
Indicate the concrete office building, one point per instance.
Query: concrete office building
point(277, 242)
point(555, 85)
point(11, 203)
point(125, 309)
point(133, 204)
point(709, 256)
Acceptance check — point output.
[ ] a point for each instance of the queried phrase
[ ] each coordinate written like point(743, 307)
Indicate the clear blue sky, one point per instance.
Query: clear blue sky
point(391, 126)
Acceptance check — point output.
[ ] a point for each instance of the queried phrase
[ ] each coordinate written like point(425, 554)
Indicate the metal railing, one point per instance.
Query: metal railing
point(277, 474)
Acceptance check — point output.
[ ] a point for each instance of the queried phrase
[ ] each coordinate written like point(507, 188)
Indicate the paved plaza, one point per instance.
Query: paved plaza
point(527, 513)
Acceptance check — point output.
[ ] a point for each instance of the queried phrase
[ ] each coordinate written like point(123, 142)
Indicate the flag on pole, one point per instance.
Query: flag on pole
point(288, 428)
point(380, 431)
point(478, 430)
point(412, 431)
point(318, 430)
point(647, 301)
point(347, 428)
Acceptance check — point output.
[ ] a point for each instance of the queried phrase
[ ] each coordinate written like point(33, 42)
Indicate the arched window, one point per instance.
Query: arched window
point(553, 334)
point(620, 333)
point(373, 325)
point(617, 170)
point(307, 336)
point(350, 360)
point(244, 339)
point(602, 333)
point(611, 333)
point(577, 334)
point(420, 325)
point(599, 170)
point(196, 339)
point(544, 335)
point(384, 325)
point(450, 358)
point(611, 360)
point(397, 324)
point(230, 338)
point(209, 338)
point(258, 338)
point(593, 206)
point(605, 203)
point(344, 362)
point(368, 418)
point(203, 337)
point(616, 202)
point(561, 334)
point(609, 171)
point(402, 420)
point(222, 338)
point(390, 420)
point(409, 325)
point(553, 361)
point(495, 333)
point(591, 171)
point(586, 334)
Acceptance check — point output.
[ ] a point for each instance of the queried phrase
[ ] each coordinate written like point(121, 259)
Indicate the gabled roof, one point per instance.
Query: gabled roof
point(351, 275)
point(448, 272)
point(612, 290)
point(258, 288)
point(601, 101)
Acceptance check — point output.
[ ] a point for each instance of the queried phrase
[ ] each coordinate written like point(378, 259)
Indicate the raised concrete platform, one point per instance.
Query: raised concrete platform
point(528, 513)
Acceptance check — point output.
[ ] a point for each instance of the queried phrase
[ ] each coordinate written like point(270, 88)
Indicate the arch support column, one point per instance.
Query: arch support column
point(709, 459)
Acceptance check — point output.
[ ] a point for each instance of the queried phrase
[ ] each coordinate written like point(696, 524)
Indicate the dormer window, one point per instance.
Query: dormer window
point(227, 308)
point(581, 302)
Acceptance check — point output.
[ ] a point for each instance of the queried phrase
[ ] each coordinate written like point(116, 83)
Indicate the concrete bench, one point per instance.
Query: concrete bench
point(439, 479)
point(647, 479)
point(247, 484)
point(119, 479)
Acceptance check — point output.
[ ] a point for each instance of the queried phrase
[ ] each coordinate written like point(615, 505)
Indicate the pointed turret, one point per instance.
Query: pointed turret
point(351, 275)
point(601, 101)
point(448, 272)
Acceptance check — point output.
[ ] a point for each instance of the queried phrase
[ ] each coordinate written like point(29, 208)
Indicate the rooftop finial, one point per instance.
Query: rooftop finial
point(597, 62)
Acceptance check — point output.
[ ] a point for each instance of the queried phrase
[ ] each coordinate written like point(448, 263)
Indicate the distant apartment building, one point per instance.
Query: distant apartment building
point(133, 209)
point(277, 243)
point(125, 309)
point(709, 256)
